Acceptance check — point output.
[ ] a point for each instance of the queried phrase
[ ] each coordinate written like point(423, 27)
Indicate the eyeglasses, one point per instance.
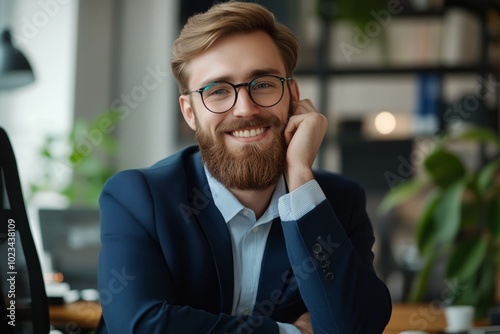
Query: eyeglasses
point(264, 90)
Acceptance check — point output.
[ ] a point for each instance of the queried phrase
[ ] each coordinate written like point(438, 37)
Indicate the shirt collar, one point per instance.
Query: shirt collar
point(229, 206)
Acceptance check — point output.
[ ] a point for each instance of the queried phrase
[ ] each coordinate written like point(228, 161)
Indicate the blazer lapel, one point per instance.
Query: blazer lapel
point(215, 229)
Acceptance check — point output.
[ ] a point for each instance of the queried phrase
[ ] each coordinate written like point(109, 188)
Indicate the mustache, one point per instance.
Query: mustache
point(256, 121)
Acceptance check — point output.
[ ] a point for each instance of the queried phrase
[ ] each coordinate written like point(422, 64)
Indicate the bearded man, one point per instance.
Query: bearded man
point(238, 234)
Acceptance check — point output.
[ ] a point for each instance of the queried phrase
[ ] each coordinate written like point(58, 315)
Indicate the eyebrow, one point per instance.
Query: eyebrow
point(250, 75)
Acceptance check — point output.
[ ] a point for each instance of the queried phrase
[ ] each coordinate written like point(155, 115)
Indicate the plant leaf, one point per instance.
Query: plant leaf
point(466, 258)
point(481, 135)
point(426, 231)
point(494, 216)
point(419, 284)
point(469, 215)
point(448, 212)
point(444, 167)
point(478, 290)
point(401, 193)
point(486, 175)
point(109, 145)
point(485, 288)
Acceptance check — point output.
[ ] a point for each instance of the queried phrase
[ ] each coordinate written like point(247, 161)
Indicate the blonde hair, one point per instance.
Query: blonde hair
point(224, 19)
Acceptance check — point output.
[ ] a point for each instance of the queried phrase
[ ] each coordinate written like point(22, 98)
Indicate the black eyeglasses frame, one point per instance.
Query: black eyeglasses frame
point(243, 84)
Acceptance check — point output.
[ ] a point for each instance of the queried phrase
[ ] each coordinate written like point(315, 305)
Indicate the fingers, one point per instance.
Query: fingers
point(291, 127)
point(303, 134)
point(303, 324)
point(306, 114)
point(302, 107)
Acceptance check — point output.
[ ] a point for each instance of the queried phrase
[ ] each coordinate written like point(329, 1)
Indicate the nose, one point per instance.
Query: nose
point(244, 106)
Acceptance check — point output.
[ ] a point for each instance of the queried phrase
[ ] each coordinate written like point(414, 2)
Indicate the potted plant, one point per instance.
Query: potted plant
point(461, 218)
point(76, 166)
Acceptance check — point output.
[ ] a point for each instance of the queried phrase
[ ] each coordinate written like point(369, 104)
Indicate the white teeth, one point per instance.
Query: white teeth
point(247, 133)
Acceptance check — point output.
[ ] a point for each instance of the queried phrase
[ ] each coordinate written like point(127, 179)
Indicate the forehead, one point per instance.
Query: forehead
point(236, 58)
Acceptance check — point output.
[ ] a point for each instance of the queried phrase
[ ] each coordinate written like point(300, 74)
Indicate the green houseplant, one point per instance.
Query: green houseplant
point(461, 218)
point(84, 155)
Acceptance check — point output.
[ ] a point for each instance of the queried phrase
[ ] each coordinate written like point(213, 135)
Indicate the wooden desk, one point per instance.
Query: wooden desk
point(73, 316)
point(428, 317)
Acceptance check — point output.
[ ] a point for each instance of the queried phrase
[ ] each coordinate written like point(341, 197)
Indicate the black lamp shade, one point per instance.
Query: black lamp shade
point(15, 70)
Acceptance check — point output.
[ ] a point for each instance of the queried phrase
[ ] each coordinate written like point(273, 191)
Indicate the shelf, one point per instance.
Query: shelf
point(396, 70)
point(476, 6)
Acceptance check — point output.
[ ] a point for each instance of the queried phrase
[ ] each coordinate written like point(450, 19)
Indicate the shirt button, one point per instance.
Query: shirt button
point(255, 229)
point(245, 213)
point(246, 312)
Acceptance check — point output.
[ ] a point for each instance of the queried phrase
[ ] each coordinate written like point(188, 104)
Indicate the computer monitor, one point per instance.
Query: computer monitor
point(72, 238)
point(369, 162)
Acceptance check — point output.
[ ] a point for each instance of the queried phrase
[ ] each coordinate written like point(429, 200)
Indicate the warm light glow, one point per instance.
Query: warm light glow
point(53, 277)
point(385, 122)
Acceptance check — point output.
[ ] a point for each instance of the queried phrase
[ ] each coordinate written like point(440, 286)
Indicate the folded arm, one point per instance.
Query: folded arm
point(333, 261)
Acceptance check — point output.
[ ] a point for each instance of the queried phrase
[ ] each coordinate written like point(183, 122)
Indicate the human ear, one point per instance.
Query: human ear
point(294, 90)
point(187, 111)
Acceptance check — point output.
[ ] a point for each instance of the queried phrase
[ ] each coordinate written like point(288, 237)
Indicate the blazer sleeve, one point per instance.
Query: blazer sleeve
point(137, 294)
point(333, 265)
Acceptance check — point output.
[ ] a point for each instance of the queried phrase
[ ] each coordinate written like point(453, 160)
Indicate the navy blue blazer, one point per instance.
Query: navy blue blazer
point(166, 261)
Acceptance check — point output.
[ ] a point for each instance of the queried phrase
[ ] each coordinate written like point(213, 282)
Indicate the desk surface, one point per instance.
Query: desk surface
point(75, 315)
point(427, 317)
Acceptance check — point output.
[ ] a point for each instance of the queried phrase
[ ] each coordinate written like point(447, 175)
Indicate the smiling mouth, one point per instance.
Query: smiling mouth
point(248, 133)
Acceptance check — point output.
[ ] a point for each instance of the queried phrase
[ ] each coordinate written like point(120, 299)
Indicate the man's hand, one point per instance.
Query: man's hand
point(304, 133)
point(303, 324)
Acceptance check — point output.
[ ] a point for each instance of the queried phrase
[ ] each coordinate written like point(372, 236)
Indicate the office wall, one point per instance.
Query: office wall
point(94, 58)
point(144, 89)
point(46, 32)
point(123, 64)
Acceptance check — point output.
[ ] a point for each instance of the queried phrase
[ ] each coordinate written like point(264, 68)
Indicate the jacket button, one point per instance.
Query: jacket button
point(317, 248)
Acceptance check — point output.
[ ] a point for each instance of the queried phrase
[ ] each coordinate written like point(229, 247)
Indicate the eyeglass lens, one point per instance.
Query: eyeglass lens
point(264, 91)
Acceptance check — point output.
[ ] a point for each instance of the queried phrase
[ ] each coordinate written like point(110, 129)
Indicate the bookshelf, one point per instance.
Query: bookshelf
point(325, 72)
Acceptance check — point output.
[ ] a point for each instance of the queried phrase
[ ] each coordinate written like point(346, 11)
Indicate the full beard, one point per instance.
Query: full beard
point(250, 167)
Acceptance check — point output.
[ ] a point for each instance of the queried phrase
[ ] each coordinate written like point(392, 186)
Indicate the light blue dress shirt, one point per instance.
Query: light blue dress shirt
point(249, 235)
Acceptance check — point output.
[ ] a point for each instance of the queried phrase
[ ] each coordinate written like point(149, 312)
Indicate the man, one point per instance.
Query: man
point(239, 235)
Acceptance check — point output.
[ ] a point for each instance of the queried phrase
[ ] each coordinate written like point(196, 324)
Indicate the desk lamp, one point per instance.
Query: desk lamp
point(15, 71)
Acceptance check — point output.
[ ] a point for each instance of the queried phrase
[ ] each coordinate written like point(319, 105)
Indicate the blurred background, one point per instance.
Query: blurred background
point(395, 78)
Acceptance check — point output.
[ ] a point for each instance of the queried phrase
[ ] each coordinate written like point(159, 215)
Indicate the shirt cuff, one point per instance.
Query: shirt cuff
point(287, 328)
point(296, 204)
